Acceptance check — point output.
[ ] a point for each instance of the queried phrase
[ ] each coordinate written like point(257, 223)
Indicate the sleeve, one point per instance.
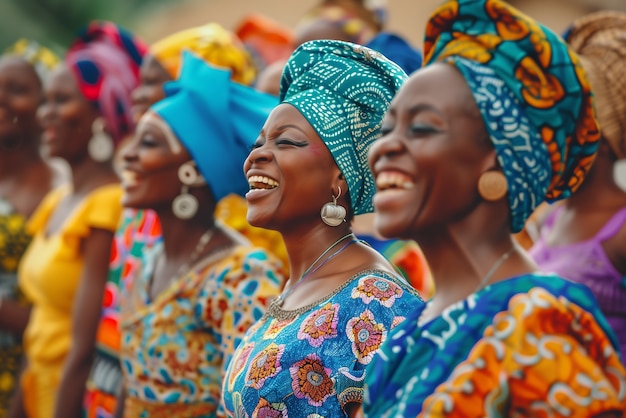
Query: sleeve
point(543, 355)
point(101, 209)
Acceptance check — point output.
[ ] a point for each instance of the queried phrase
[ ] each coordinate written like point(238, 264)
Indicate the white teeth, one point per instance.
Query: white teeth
point(262, 182)
point(387, 180)
point(129, 177)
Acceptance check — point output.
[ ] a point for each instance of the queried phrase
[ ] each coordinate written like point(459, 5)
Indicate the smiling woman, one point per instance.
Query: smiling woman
point(191, 296)
point(308, 177)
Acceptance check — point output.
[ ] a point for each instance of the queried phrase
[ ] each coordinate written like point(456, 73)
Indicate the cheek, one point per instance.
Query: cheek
point(155, 94)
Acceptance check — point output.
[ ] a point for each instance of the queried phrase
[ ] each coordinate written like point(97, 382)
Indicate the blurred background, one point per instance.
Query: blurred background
point(54, 22)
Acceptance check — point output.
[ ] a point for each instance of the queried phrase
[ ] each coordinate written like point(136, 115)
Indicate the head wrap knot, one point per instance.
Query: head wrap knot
point(600, 40)
point(105, 61)
point(216, 120)
point(532, 93)
point(343, 90)
point(213, 44)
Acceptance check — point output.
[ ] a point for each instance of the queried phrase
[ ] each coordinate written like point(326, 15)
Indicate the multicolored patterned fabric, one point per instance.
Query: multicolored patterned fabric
point(600, 40)
point(175, 348)
point(49, 275)
point(105, 61)
point(534, 345)
point(41, 58)
point(216, 124)
point(343, 90)
point(213, 44)
point(13, 243)
point(310, 361)
point(532, 92)
point(138, 230)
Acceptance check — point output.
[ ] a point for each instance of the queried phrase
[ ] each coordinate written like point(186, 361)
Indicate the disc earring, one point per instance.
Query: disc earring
point(100, 147)
point(333, 214)
point(492, 186)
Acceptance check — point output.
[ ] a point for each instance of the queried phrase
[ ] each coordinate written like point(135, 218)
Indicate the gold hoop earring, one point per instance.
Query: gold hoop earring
point(492, 186)
point(333, 214)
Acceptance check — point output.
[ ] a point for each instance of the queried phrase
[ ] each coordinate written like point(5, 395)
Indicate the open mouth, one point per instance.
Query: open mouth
point(393, 180)
point(129, 178)
point(262, 182)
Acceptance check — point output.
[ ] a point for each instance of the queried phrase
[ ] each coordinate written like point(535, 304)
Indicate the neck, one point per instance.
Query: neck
point(18, 159)
point(305, 246)
point(88, 174)
point(599, 185)
point(180, 237)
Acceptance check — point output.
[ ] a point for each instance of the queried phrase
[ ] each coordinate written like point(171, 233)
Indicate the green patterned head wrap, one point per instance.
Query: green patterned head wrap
point(343, 90)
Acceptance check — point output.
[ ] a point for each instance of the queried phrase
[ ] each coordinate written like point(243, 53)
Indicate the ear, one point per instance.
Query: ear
point(490, 161)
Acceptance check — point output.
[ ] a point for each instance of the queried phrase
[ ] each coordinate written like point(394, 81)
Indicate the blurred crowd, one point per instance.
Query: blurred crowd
point(316, 218)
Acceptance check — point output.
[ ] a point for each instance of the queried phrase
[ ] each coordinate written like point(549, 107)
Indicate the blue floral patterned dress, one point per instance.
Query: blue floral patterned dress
point(311, 361)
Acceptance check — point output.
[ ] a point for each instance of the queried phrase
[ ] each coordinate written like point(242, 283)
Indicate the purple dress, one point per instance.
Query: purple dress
point(586, 262)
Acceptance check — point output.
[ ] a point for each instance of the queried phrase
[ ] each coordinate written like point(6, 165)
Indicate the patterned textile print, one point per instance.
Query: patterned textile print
point(343, 90)
point(13, 243)
point(175, 347)
point(546, 84)
point(533, 345)
point(312, 360)
point(137, 230)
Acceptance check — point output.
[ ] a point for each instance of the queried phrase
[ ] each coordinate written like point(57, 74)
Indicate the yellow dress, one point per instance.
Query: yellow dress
point(49, 274)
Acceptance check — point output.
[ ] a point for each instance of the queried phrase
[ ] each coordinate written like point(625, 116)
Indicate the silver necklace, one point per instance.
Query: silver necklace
point(310, 270)
point(483, 282)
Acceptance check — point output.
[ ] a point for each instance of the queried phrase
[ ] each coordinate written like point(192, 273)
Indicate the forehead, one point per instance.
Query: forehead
point(16, 64)
point(286, 114)
point(439, 85)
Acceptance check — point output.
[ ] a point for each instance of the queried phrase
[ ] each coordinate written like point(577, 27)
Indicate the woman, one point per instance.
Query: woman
point(25, 178)
point(140, 228)
point(583, 239)
point(498, 120)
point(86, 112)
point(308, 177)
point(198, 290)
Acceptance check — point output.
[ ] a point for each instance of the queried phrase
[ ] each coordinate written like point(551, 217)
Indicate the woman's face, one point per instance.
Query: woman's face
point(66, 116)
point(20, 96)
point(152, 76)
point(291, 172)
point(433, 149)
point(150, 166)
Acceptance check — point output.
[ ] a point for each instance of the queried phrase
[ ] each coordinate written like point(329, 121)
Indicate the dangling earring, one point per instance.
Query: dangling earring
point(492, 185)
point(185, 205)
point(332, 213)
point(100, 145)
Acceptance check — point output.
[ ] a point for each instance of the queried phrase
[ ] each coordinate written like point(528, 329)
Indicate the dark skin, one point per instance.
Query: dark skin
point(591, 207)
point(150, 173)
point(152, 76)
point(427, 166)
point(66, 117)
point(290, 152)
point(25, 177)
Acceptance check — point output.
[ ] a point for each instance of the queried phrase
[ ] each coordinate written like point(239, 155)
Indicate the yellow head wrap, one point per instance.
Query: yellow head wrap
point(213, 44)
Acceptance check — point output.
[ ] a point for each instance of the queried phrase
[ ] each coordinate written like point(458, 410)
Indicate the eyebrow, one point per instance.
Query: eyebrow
point(422, 107)
point(283, 128)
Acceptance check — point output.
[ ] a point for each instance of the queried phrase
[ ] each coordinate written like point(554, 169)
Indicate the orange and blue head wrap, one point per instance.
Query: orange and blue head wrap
point(105, 61)
point(532, 92)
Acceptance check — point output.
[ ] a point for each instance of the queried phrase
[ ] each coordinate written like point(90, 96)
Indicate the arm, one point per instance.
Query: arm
point(86, 316)
point(13, 317)
point(119, 406)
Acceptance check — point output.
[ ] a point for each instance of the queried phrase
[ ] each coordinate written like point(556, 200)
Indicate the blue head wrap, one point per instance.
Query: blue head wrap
point(216, 120)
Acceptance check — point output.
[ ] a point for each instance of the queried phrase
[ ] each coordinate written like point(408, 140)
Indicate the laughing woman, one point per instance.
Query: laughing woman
point(85, 114)
point(499, 120)
point(308, 176)
point(200, 288)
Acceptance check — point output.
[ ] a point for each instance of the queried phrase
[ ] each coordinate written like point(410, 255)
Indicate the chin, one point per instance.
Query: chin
point(390, 227)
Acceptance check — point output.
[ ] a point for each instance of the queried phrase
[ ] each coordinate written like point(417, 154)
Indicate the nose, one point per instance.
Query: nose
point(138, 95)
point(129, 150)
point(386, 146)
point(44, 112)
point(258, 155)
